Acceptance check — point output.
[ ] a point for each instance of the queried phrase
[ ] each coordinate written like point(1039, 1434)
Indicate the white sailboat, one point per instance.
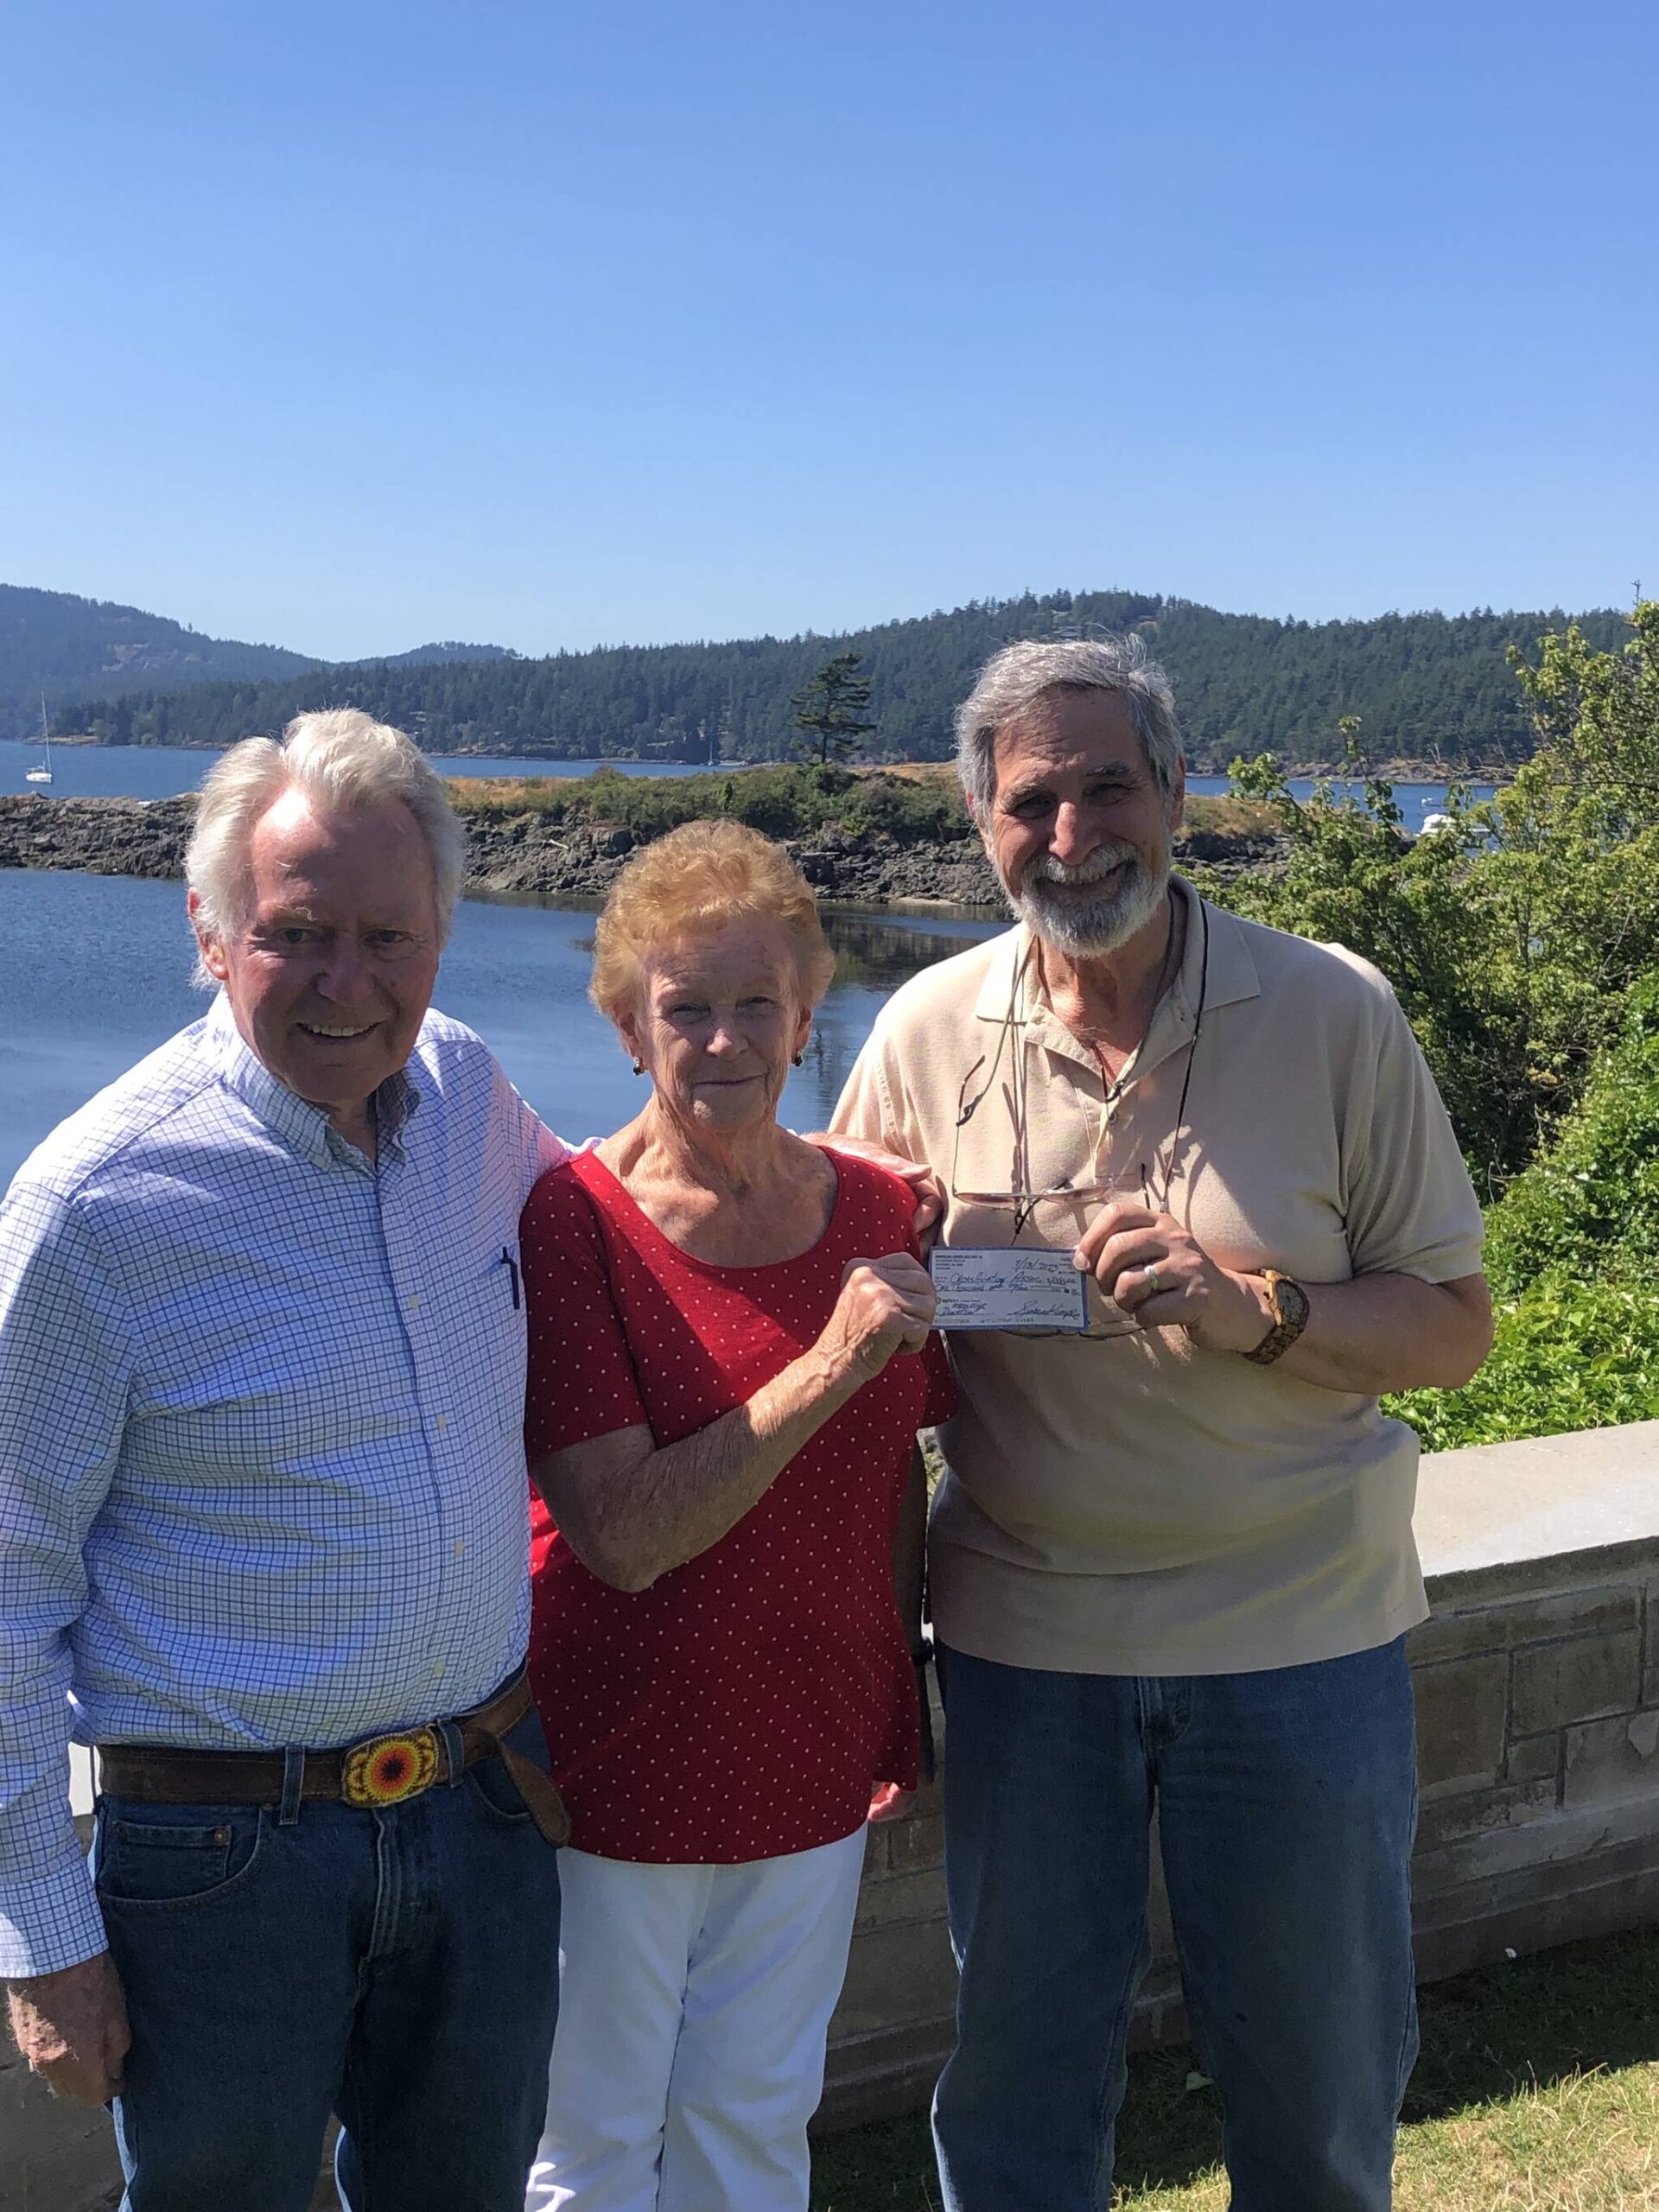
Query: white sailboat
point(42, 772)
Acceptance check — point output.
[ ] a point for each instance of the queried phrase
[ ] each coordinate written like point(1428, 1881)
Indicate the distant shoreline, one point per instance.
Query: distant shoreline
point(549, 763)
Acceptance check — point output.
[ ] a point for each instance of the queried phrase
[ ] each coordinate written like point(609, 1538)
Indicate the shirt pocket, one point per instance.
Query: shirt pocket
point(483, 1307)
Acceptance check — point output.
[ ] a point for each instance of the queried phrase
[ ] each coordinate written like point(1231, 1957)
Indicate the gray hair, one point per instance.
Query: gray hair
point(340, 758)
point(1015, 679)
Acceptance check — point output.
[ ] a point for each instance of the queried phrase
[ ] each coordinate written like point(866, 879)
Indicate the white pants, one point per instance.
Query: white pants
point(694, 2002)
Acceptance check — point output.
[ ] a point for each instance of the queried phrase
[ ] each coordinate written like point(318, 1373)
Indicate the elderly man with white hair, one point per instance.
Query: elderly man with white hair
point(263, 1520)
point(1170, 1562)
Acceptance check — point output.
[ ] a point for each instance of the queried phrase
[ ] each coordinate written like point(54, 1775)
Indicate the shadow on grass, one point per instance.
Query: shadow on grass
point(1539, 2019)
point(1485, 2035)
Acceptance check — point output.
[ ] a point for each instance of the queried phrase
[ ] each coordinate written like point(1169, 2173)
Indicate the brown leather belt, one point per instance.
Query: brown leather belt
point(381, 1770)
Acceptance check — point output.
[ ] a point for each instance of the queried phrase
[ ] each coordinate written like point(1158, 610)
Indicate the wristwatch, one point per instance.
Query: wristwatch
point(1290, 1309)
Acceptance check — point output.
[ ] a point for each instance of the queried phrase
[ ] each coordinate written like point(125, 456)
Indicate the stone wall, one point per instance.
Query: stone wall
point(1538, 1722)
point(1538, 1695)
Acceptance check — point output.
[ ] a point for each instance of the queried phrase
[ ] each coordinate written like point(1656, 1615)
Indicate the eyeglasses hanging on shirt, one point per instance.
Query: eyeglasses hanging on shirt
point(1025, 1203)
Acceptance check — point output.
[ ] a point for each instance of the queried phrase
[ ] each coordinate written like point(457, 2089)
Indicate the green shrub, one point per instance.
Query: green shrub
point(1589, 1206)
point(1567, 1355)
point(1572, 1254)
point(1515, 938)
point(910, 811)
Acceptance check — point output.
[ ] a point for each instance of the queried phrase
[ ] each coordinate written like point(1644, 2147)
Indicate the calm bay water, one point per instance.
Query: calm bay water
point(161, 772)
point(94, 972)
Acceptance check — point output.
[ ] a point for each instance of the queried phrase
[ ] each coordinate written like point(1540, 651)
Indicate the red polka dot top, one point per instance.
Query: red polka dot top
point(746, 1705)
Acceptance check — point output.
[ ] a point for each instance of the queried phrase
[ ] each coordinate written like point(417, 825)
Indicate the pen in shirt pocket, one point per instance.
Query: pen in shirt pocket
point(511, 1266)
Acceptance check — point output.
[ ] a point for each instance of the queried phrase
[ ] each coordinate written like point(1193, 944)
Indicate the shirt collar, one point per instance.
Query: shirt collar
point(303, 1128)
point(1231, 977)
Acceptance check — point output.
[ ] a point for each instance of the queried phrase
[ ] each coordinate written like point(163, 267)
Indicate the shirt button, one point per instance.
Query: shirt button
point(414, 1304)
point(460, 1547)
point(443, 1420)
point(437, 1665)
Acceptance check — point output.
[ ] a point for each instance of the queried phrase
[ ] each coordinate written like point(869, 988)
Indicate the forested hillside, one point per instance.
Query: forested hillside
point(1425, 686)
point(56, 645)
point(69, 648)
point(435, 655)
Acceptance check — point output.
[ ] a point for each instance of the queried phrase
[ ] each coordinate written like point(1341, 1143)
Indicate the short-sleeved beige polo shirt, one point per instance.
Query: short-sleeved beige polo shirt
point(1129, 1503)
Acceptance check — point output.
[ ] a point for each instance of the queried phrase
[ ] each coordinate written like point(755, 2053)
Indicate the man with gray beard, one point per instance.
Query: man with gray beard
point(1170, 1560)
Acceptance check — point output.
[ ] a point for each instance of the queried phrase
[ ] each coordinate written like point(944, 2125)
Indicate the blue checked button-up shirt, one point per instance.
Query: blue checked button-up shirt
point(261, 1476)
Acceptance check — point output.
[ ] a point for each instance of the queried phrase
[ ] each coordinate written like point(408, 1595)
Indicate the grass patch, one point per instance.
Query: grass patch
point(510, 794)
point(1220, 815)
point(1537, 2091)
point(781, 799)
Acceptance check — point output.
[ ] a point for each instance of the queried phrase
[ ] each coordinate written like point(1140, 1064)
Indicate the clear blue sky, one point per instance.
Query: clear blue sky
point(350, 326)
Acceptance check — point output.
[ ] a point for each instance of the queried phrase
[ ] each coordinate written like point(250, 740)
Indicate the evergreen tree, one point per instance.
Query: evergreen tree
point(832, 710)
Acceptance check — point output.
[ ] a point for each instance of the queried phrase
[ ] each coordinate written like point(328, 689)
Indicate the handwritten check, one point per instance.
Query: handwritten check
point(1004, 1289)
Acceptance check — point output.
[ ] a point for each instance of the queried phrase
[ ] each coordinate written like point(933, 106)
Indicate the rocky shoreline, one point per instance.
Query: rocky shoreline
point(97, 836)
point(527, 854)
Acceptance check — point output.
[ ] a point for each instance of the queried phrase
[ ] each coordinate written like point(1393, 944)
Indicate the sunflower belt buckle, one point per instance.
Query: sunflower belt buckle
point(387, 1769)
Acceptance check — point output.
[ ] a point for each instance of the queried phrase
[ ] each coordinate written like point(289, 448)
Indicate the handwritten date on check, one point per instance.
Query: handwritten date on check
point(1001, 1289)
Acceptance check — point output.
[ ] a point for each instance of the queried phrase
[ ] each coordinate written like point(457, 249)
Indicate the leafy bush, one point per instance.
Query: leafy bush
point(1523, 942)
point(1573, 1254)
point(911, 812)
point(1567, 1356)
point(1514, 937)
point(1590, 1205)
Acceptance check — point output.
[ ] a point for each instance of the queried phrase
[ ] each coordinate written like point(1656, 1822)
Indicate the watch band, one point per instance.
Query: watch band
point(1290, 1310)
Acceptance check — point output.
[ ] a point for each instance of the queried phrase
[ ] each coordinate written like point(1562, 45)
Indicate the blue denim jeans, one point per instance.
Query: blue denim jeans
point(1286, 1804)
point(397, 1968)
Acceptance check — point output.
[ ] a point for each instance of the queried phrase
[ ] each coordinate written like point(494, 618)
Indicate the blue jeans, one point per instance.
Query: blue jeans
point(397, 1968)
point(1286, 1804)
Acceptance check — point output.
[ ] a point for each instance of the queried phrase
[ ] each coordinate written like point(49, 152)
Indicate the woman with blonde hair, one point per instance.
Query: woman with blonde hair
point(729, 1359)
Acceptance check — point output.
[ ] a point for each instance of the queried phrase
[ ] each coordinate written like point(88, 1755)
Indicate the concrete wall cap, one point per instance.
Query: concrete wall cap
point(1549, 1497)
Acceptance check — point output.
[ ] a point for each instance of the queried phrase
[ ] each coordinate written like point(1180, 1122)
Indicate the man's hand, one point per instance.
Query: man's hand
point(1375, 1333)
point(925, 1187)
point(1153, 1271)
point(71, 2028)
